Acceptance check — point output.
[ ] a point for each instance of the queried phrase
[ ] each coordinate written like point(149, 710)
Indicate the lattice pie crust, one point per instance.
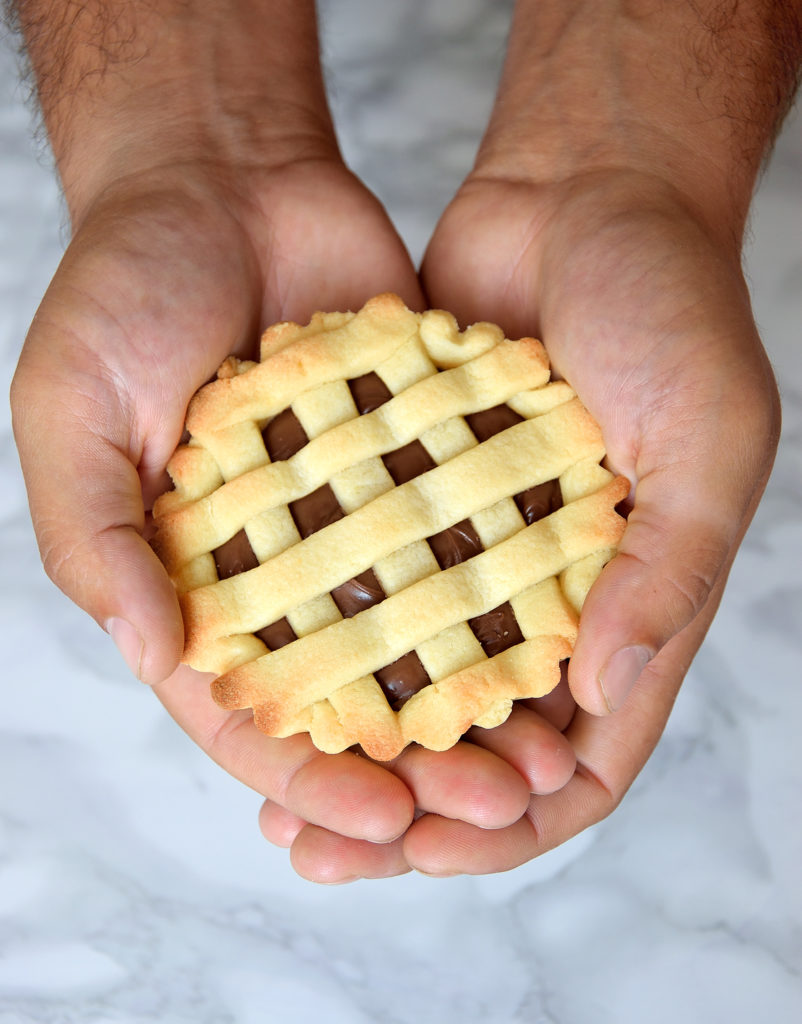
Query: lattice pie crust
point(437, 573)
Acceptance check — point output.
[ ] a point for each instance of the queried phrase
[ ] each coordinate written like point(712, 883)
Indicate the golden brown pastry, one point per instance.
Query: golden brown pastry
point(384, 530)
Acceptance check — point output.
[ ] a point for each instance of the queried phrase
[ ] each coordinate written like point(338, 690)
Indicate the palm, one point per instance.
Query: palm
point(651, 324)
point(155, 290)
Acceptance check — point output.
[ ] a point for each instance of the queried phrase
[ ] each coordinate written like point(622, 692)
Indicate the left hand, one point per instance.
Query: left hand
point(645, 311)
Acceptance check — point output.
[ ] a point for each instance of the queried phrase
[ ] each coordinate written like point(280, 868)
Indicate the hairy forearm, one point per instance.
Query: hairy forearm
point(693, 90)
point(128, 84)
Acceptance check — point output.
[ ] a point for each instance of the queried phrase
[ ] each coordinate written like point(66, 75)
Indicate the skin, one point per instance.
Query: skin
point(605, 215)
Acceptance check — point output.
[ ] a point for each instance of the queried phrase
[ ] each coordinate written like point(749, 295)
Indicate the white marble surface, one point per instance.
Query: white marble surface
point(134, 884)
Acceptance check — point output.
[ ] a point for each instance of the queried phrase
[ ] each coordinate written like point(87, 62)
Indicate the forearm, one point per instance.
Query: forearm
point(126, 86)
point(691, 91)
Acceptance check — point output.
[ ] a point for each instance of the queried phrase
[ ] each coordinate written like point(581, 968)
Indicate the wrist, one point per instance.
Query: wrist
point(659, 92)
point(233, 86)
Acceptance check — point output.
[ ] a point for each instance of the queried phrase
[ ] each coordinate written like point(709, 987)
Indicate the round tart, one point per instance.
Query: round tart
point(383, 531)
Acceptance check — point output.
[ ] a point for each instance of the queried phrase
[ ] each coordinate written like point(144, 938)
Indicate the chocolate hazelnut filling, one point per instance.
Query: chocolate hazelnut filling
point(496, 630)
point(236, 556)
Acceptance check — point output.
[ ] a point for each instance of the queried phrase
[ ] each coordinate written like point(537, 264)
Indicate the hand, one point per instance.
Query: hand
point(167, 274)
point(605, 215)
point(645, 311)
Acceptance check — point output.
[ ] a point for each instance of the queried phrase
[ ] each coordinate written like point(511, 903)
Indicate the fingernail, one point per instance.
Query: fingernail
point(621, 673)
point(128, 642)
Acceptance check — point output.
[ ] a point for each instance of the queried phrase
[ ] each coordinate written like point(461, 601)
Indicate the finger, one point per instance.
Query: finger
point(88, 514)
point(351, 796)
point(331, 859)
point(437, 846)
point(692, 505)
point(341, 792)
point(467, 782)
point(610, 752)
point(278, 825)
point(538, 751)
point(442, 847)
point(558, 706)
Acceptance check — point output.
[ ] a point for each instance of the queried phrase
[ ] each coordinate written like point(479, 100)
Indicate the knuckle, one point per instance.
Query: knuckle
point(59, 554)
point(681, 586)
point(686, 593)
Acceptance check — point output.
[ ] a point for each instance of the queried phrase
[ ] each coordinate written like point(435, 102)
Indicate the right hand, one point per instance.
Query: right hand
point(168, 273)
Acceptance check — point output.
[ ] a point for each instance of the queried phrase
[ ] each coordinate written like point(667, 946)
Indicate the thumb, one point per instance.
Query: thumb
point(687, 520)
point(87, 509)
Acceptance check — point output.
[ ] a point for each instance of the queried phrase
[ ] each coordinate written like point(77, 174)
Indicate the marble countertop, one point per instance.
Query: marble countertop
point(134, 884)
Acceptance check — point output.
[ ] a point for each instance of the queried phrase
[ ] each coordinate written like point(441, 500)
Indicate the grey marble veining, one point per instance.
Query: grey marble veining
point(134, 885)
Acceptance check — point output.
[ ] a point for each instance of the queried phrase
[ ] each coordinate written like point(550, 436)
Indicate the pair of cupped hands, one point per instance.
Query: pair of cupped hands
point(643, 309)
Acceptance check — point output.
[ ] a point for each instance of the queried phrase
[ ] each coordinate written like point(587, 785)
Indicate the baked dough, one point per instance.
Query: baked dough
point(445, 568)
